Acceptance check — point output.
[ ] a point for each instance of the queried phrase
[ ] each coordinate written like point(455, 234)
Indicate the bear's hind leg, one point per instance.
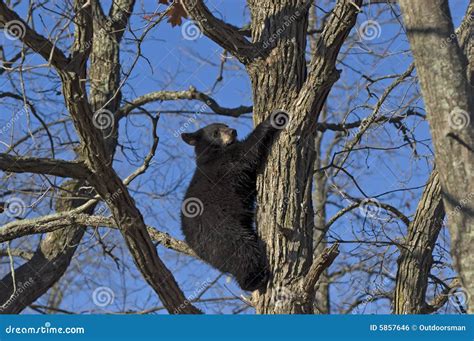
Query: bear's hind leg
point(252, 271)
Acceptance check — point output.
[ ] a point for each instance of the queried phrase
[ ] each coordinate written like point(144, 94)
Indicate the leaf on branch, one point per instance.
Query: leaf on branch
point(176, 13)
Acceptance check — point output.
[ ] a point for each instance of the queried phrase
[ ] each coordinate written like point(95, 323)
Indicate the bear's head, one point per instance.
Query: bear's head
point(211, 137)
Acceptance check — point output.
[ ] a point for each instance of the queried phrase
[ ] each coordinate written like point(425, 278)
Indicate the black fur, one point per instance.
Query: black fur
point(223, 190)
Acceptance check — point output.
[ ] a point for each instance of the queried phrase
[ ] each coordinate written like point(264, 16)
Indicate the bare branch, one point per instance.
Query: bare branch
point(191, 94)
point(416, 253)
point(225, 35)
point(324, 260)
point(62, 168)
point(322, 73)
point(35, 41)
point(26, 227)
point(26, 255)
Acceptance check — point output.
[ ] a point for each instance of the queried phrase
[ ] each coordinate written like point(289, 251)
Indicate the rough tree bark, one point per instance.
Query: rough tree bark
point(449, 100)
point(55, 251)
point(321, 301)
point(275, 61)
point(415, 260)
point(414, 264)
point(94, 149)
point(279, 78)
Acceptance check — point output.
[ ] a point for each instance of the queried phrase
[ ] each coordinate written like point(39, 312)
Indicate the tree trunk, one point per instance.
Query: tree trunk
point(285, 216)
point(321, 301)
point(56, 250)
point(414, 263)
point(449, 101)
point(285, 212)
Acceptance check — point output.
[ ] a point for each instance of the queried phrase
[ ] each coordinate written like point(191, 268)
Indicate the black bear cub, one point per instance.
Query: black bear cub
point(217, 214)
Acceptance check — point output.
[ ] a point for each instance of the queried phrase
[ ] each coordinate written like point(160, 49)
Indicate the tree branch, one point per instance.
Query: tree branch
point(27, 227)
point(191, 94)
point(415, 260)
point(108, 184)
point(440, 300)
point(62, 168)
point(225, 35)
point(35, 41)
point(324, 261)
point(322, 73)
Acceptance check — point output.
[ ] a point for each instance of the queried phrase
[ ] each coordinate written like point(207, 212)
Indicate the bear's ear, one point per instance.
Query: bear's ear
point(189, 138)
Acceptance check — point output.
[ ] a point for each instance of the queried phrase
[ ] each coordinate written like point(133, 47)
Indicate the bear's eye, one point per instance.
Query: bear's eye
point(215, 134)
